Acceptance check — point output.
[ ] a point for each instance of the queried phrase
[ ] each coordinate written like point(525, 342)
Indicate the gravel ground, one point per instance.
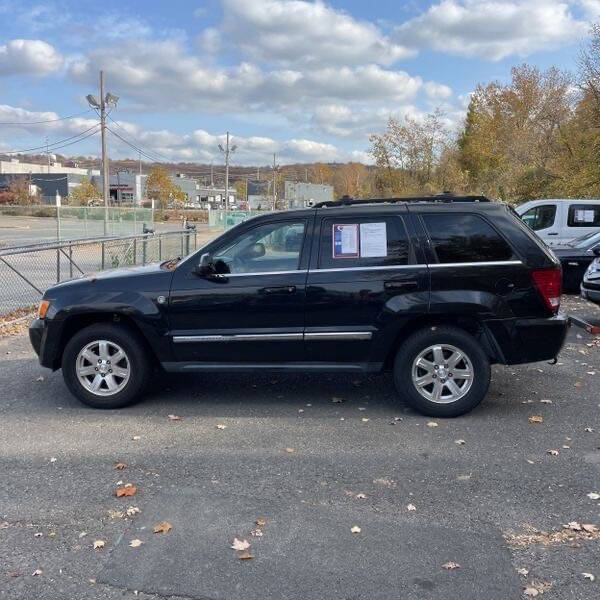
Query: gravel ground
point(481, 491)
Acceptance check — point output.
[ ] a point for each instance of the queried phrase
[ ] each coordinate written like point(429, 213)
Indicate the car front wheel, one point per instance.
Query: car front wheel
point(105, 366)
point(442, 371)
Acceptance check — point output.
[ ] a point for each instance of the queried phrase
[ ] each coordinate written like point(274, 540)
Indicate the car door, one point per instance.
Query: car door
point(545, 219)
point(365, 281)
point(250, 311)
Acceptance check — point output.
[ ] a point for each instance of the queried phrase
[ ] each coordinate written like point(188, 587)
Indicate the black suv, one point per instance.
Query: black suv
point(434, 291)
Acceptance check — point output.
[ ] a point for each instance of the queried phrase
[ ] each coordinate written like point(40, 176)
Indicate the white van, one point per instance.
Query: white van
point(557, 221)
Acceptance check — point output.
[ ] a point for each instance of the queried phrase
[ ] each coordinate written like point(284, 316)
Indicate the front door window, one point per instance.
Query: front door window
point(267, 248)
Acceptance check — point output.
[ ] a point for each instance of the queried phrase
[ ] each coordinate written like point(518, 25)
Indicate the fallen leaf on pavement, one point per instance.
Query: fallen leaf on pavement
point(256, 532)
point(38, 534)
point(245, 555)
point(355, 529)
point(523, 572)
point(593, 496)
point(364, 419)
point(536, 419)
point(116, 514)
point(450, 565)
point(531, 591)
point(573, 525)
point(37, 572)
point(361, 496)
point(260, 522)
point(163, 527)
point(99, 544)
point(133, 510)
point(53, 460)
point(40, 378)
point(432, 424)
point(589, 429)
point(289, 450)
point(460, 442)
point(552, 452)
point(589, 528)
point(4, 525)
point(174, 417)
point(135, 543)
point(578, 384)
point(136, 437)
point(240, 544)
point(545, 401)
point(126, 490)
point(411, 507)
point(120, 466)
point(464, 477)
point(589, 576)
point(221, 426)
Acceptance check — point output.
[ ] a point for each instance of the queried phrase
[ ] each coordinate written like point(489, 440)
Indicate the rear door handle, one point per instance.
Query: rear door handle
point(552, 233)
point(398, 285)
point(284, 289)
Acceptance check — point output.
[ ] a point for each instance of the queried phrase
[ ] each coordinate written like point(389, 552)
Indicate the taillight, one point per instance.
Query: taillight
point(549, 284)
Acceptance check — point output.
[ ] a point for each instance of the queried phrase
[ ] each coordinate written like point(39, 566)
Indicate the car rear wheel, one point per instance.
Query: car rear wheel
point(442, 371)
point(105, 366)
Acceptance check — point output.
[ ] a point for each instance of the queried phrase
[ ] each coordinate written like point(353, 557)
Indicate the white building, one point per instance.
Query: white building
point(15, 167)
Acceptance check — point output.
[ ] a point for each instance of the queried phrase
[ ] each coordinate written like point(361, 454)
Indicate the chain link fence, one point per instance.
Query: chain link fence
point(26, 272)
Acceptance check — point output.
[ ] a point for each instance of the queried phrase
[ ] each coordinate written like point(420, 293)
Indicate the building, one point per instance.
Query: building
point(15, 167)
point(259, 194)
point(301, 195)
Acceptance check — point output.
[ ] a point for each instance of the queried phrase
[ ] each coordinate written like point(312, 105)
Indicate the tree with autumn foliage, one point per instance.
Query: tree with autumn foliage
point(161, 189)
point(85, 194)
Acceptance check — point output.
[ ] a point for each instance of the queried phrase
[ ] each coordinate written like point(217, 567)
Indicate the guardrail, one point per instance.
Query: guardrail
point(27, 271)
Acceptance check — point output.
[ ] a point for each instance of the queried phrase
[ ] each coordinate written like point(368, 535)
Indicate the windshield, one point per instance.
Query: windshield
point(585, 240)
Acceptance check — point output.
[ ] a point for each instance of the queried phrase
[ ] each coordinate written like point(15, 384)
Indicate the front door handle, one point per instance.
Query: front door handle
point(552, 233)
point(398, 285)
point(284, 289)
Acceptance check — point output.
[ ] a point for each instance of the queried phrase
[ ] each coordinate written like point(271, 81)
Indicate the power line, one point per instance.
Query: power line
point(148, 152)
point(47, 121)
point(144, 153)
point(53, 145)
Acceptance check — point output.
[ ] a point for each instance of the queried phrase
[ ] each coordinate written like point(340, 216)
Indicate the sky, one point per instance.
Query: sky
point(307, 80)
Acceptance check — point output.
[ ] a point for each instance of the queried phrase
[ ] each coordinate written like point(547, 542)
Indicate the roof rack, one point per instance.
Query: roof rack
point(443, 197)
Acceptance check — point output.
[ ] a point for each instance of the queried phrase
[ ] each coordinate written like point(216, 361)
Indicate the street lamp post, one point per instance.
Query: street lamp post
point(227, 151)
point(105, 100)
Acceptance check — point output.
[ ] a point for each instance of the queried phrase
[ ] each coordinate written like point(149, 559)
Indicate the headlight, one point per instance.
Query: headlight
point(43, 308)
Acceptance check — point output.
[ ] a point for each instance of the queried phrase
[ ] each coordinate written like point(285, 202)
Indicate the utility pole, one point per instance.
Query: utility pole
point(274, 172)
point(105, 175)
point(227, 151)
point(257, 173)
point(48, 154)
point(212, 180)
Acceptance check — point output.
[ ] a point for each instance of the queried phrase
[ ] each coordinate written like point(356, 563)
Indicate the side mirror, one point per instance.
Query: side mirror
point(205, 265)
point(596, 251)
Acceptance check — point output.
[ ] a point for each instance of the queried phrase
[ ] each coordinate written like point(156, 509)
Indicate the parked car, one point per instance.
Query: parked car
point(590, 286)
point(559, 221)
point(575, 257)
point(433, 291)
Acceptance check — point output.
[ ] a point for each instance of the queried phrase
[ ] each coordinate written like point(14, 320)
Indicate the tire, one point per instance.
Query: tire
point(119, 382)
point(415, 363)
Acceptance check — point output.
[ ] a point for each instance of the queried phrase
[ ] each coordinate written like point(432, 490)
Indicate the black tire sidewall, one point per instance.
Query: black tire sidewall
point(454, 336)
point(132, 346)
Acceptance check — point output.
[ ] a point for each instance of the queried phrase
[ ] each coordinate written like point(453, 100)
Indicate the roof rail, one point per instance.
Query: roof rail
point(448, 197)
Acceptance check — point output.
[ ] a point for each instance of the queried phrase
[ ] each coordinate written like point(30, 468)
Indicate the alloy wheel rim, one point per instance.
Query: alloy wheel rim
point(103, 368)
point(442, 373)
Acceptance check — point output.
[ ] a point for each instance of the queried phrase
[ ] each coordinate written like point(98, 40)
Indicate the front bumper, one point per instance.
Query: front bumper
point(528, 340)
point(45, 336)
point(591, 292)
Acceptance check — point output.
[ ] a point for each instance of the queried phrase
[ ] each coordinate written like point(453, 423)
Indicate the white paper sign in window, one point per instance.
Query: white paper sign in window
point(373, 240)
point(345, 241)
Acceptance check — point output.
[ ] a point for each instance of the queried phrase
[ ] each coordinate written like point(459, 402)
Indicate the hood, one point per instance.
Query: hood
point(118, 274)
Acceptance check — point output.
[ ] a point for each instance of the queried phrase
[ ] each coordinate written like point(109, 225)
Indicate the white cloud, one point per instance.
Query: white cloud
point(494, 29)
point(437, 90)
point(296, 32)
point(29, 57)
point(161, 75)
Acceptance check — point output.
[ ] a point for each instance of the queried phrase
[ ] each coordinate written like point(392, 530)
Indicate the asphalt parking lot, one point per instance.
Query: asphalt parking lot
point(309, 458)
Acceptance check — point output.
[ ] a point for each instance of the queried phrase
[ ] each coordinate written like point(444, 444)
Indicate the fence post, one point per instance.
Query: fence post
point(187, 244)
point(195, 240)
point(159, 248)
point(144, 248)
point(182, 245)
point(102, 257)
point(70, 261)
point(134, 251)
point(58, 265)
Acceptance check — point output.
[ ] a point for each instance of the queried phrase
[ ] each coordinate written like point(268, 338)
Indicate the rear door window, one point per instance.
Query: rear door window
point(460, 238)
point(363, 242)
point(540, 217)
point(584, 215)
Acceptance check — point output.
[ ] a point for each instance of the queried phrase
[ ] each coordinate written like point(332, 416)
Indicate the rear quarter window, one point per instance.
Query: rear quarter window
point(459, 238)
